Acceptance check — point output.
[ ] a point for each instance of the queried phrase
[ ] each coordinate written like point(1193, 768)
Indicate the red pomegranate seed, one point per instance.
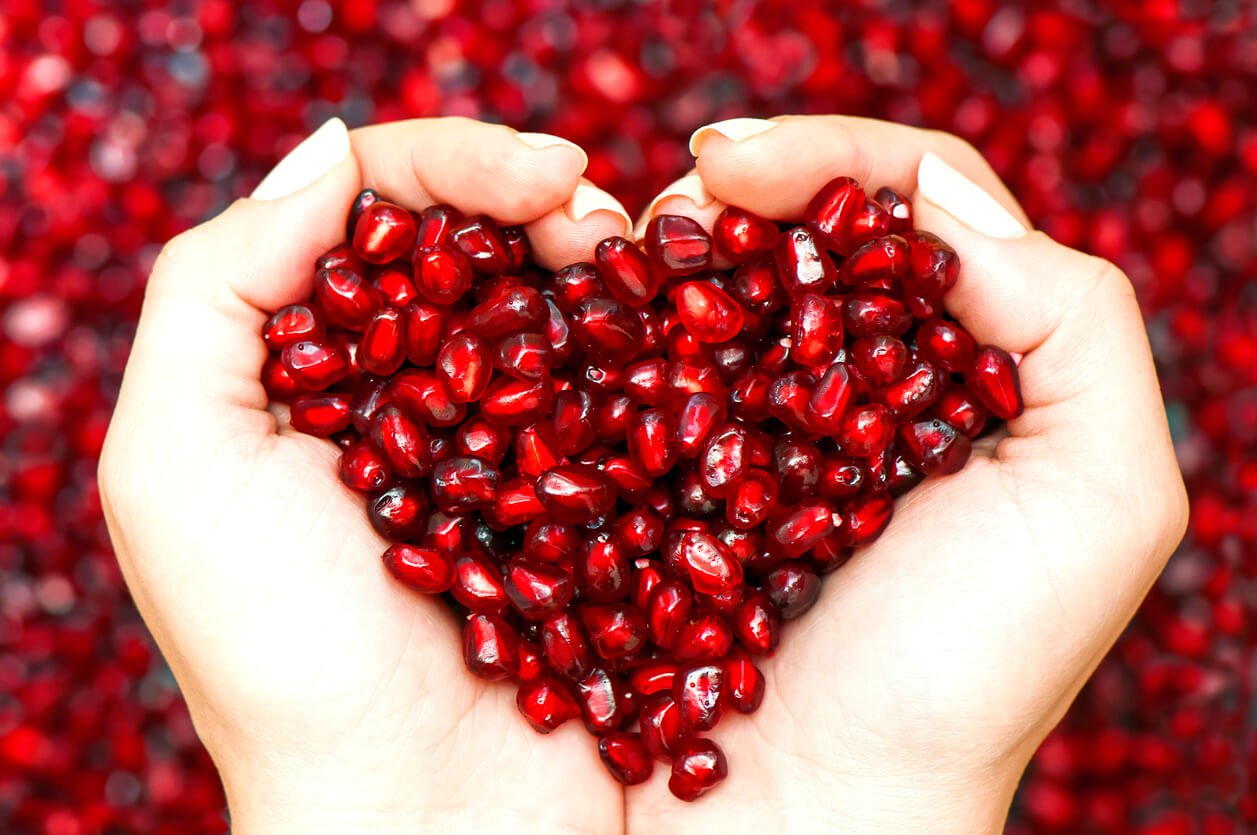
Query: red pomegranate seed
point(908, 397)
point(546, 704)
point(934, 447)
point(602, 569)
point(961, 409)
point(463, 367)
point(652, 677)
point(757, 624)
point(652, 441)
point(364, 468)
point(994, 380)
point(946, 345)
point(423, 569)
point(667, 612)
point(898, 209)
point(866, 431)
point(565, 646)
point(801, 528)
point(712, 567)
point(464, 483)
point(626, 757)
point(699, 767)
point(314, 366)
point(607, 328)
point(866, 518)
point(707, 312)
point(365, 200)
point(934, 266)
point(574, 421)
point(754, 497)
point(511, 402)
point(396, 284)
point(423, 326)
point(870, 312)
point(576, 283)
point(382, 348)
point(434, 226)
point(881, 359)
point(526, 356)
point(320, 414)
point(384, 232)
point(803, 266)
point(830, 400)
point(817, 335)
point(536, 589)
point(834, 211)
point(677, 245)
point(743, 684)
point(490, 647)
point(403, 442)
point(883, 261)
point(699, 696)
point(639, 531)
point(601, 703)
point(515, 503)
point(739, 235)
point(480, 239)
point(615, 630)
point(291, 324)
point(626, 271)
point(399, 513)
point(478, 584)
point(575, 494)
point(706, 637)
point(482, 439)
point(793, 589)
point(443, 275)
point(757, 286)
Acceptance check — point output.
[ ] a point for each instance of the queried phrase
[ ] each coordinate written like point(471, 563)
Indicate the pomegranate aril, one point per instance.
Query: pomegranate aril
point(667, 612)
point(946, 345)
point(511, 309)
point(881, 359)
point(536, 589)
point(757, 286)
point(961, 409)
point(607, 328)
point(463, 367)
point(384, 232)
point(443, 275)
point(739, 235)
point(526, 356)
point(712, 567)
point(423, 326)
point(291, 324)
point(626, 757)
point(817, 335)
point(396, 284)
point(478, 584)
point(792, 589)
point(363, 201)
point(364, 468)
point(833, 212)
point(314, 366)
point(574, 284)
point(708, 312)
point(884, 262)
point(916, 391)
point(421, 393)
point(479, 438)
point(651, 677)
point(399, 513)
point(870, 312)
point(320, 414)
point(490, 647)
point(743, 684)
point(565, 646)
point(511, 402)
point(802, 265)
point(403, 442)
point(601, 703)
point(575, 494)
point(652, 441)
point(934, 266)
point(546, 704)
point(994, 380)
point(602, 569)
point(757, 624)
point(382, 348)
point(698, 767)
point(934, 447)
point(698, 693)
point(754, 497)
point(480, 239)
point(434, 226)
point(866, 431)
point(706, 637)
point(829, 401)
point(898, 210)
point(615, 630)
point(574, 421)
point(626, 271)
point(866, 518)
point(464, 483)
point(423, 569)
point(677, 245)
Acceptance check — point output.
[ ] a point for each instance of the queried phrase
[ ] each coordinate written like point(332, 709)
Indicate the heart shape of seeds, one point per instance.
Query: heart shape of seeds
point(626, 474)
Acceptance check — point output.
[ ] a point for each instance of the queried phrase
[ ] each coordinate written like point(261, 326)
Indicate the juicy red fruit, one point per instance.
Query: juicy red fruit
point(687, 450)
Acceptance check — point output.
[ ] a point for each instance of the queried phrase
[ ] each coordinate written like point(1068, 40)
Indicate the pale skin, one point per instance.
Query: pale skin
point(909, 699)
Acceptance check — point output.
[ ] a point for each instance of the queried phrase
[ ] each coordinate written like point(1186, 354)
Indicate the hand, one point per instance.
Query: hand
point(331, 698)
point(912, 696)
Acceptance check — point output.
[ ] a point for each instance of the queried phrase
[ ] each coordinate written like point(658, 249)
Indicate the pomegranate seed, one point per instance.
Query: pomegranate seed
point(667, 612)
point(870, 312)
point(320, 414)
point(961, 410)
point(398, 513)
point(866, 431)
point(292, 324)
point(614, 630)
point(881, 359)
point(707, 312)
point(678, 245)
point(757, 286)
point(478, 584)
point(423, 569)
point(511, 402)
point(382, 348)
point(364, 468)
point(914, 393)
point(652, 441)
point(833, 212)
point(934, 447)
point(801, 263)
point(601, 703)
point(442, 275)
point(464, 483)
point(602, 569)
point(661, 728)
point(434, 226)
point(606, 328)
point(817, 335)
point(934, 266)
point(403, 442)
point(639, 531)
point(698, 767)
point(793, 589)
point(712, 568)
point(463, 367)
point(576, 283)
point(743, 684)
point(739, 235)
point(754, 497)
point(420, 393)
point(626, 271)
point(626, 757)
point(756, 624)
point(423, 325)
point(575, 494)
point(546, 704)
point(490, 647)
point(314, 366)
point(396, 284)
point(482, 242)
point(574, 421)
point(993, 379)
point(652, 677)
point(384, 232)
point(883, 261)
point(698, 693)
point(365, 199)
point(537, 590)
point(705, 638)
point(565, 646)
point(946, 345)
point(898, 209)
point(525, 356)
point(866, 518)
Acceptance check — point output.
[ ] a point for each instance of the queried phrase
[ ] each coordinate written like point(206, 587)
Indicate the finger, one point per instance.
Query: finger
point(478, 168)
point(570, 232)
point(774, 167)
point(1092, 398)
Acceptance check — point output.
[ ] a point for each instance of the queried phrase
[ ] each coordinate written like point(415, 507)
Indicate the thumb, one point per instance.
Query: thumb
point(198, 342)
point(1093, 402)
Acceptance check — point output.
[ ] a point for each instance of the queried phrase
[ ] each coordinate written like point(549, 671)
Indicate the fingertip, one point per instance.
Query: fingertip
point(571, 232)
point(529, 182)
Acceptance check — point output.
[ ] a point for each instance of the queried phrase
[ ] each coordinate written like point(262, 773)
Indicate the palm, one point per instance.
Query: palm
point(320, 642)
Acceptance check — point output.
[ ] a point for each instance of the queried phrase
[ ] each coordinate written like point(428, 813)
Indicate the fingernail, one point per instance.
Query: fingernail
point(965, 200)
point(735, 129)
point(317, 154)
point(690, 187)
point(588, 199)
point(540, 141)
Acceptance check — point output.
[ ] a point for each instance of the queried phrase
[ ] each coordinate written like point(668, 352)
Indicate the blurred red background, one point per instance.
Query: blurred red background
point(1126, 128)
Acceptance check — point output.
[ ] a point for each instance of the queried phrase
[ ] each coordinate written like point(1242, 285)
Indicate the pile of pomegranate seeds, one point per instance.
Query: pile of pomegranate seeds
point(626, 474)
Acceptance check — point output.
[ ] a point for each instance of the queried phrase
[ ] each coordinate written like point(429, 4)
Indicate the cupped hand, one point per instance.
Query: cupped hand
point(912, 696)
point(331, 698)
